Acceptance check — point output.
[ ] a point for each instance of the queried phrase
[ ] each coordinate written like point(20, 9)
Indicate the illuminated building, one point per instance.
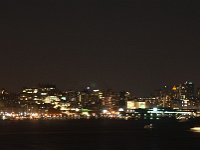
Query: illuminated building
point(90, 99)
point(136, 105)
point(181, 96)
point(175, 92)
point(164, 96)
point(186, 91)
point(110, 101)
point(38, 94)
point(123, 98)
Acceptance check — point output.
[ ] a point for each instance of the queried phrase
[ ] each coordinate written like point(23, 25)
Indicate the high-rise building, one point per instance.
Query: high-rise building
point(110, 100)
point(186, 91)
point(123, 98)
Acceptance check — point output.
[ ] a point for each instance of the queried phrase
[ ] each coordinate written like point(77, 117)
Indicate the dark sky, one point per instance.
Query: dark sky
point(131, 45)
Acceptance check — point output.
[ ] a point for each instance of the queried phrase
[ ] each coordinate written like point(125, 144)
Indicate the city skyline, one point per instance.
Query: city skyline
point(92, 87)
point(46, 101)
point(131, 45)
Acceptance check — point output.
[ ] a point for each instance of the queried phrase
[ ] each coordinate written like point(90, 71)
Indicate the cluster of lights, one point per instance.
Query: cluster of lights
point(21, 116)
point(112, 114)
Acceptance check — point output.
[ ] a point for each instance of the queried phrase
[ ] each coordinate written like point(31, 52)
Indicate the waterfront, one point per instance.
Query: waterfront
point(93, 134)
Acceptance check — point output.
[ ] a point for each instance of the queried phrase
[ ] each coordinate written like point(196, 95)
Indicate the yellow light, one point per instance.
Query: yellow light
point(195, 129)
point(174, 88)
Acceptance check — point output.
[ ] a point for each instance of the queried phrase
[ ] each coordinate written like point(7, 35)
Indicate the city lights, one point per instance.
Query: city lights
point(47, 102)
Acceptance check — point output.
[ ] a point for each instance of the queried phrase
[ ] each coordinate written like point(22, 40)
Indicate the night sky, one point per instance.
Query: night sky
point(131, 45)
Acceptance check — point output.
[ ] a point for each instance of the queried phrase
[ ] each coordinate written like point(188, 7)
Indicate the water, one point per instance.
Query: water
point(93, 135)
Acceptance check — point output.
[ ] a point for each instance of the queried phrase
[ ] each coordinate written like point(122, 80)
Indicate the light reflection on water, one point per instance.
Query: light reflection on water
point(195, 129)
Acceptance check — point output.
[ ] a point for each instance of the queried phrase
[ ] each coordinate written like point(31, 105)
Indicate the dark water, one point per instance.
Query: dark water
point(93, 135)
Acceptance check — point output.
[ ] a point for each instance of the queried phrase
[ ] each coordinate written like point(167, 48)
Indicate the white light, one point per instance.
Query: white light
point(155, 109)
point(121, 109)
point(95, 90)
point(104, 111)
point(4, 117)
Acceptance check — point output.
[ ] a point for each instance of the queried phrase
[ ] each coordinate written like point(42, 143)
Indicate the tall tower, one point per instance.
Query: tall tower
point(187, 91)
